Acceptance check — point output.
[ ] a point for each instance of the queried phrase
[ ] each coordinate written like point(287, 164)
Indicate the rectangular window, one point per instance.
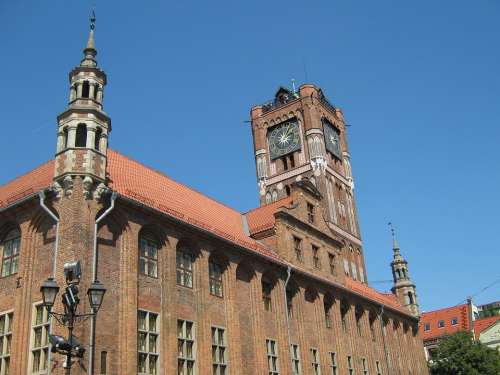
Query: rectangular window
point(272, 357)
point(215, 279)
point(427, 327)
point(315, 361)
point(310, 213)
point(331, 263)
point(361, 274)
point(297, 246)
point(316, 260)
point(184, 269)
point(104, 363)
point(354, 271)
point(378, 368)
point(186, 347)
point(39, 340)
point(333, 363)
point(148, 257)
point(295, 354)
point(365, 366)
point(10, 254)
point(349, 365)
point(441, 324)
point(219, 355)
point(266, 295)
point(454, 321)
point(148, 344)
point(5, 342)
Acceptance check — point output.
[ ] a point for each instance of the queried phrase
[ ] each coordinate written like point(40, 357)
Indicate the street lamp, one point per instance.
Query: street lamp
point(49, 289)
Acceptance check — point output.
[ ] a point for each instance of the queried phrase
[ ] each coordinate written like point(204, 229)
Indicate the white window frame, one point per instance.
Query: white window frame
point(6, 340)
point(43, 349)
point(217, 347)
point(272, 357)
point(148, 333)
point(186, 340)
point(295, 356)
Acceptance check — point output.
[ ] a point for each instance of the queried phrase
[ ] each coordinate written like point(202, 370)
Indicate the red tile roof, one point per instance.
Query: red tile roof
point(387, 299)
point(481, 325)
point(144, 185)
point(27, 184)
point(262, 218)
point(460, 312)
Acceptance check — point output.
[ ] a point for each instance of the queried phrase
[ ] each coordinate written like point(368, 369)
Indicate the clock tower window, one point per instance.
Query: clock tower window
point(97, 140)
point(86, 89)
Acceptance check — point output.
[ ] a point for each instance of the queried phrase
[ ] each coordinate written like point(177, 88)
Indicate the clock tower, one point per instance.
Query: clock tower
point(302, 136)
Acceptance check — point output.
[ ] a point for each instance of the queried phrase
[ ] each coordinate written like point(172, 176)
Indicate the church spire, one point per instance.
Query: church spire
point(403, 287)
point(90, 52)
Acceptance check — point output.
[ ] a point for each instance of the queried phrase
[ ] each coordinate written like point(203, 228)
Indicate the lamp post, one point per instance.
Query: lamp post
point(70, 299)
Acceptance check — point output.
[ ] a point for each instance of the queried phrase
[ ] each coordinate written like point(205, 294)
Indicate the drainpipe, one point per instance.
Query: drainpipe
point(94, 278)
point(288, 274)
point(41, 195)
point(381, 319)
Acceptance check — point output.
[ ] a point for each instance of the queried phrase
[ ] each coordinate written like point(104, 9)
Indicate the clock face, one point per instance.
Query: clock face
point(283, 139)
point(332, 139)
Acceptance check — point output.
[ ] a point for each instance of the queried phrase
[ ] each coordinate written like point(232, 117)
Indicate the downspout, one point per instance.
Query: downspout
point(41, 195)
point(94, 279)
point(381, 319)
point(288, 275)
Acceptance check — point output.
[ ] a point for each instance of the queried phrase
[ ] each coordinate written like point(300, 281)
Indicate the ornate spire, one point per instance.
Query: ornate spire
point(395, 245)
point(90, 52)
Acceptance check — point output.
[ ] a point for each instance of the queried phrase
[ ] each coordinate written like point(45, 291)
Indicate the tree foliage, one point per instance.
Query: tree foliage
point(459, 354)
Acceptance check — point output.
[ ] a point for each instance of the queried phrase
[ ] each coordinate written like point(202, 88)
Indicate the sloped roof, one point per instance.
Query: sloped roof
point(262, 218)
point(387, 299)
point(153, 189)
point(460, 312)
point(482, 325)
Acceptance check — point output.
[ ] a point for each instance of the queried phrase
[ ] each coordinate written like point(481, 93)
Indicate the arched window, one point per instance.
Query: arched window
point(10, 248)
point(328, 307)
point(372, 319)
point(275, 195)
point(85, 89)
point(398, 273)
point(344, 309)
point(411, 299)
point(81, 136)
point(148, 256)
point(359, 315)
point(215, 278)
point(65, 136)
point(287, 189)
point(97, 141)
point(269, 198)
point(267, 288)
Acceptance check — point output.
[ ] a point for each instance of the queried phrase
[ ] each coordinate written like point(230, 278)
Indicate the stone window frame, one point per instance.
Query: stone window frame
point(315, 361)
point(215, 273)
point(350, 365)
point(331, 263)
point(11, 241)
point(219, 351)
point(6, 319)
point(295, 359)
point(315, 256)
point(272, 357)
point(310, 213)
point(148, 332)
point(333, 363)
point(186, 344)
point(148, 255)
point(39, 351)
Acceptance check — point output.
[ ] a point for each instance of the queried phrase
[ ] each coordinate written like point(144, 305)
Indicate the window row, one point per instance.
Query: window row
point(148, 266)
point(149, 350)
point(315, 255)
point(441, 324)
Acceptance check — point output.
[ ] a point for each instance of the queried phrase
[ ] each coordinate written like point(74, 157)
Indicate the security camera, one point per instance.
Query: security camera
point(73, 272)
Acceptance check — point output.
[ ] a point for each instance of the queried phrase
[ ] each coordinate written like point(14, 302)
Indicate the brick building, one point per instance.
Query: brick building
point(193, 286)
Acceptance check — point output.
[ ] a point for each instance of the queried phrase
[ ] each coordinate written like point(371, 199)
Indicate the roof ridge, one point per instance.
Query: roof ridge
point(163, 174)
point(445, 308)
point(267, 205)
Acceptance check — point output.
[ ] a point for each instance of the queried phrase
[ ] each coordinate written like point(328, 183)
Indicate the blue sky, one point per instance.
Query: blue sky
point(419, 83)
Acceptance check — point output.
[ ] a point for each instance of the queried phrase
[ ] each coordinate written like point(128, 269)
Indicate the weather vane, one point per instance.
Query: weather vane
point(92, 20)
point(393, 232)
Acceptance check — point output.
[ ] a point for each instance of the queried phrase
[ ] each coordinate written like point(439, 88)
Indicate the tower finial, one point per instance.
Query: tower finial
point(90, 52)
point(92, 19)
point(395, 245)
